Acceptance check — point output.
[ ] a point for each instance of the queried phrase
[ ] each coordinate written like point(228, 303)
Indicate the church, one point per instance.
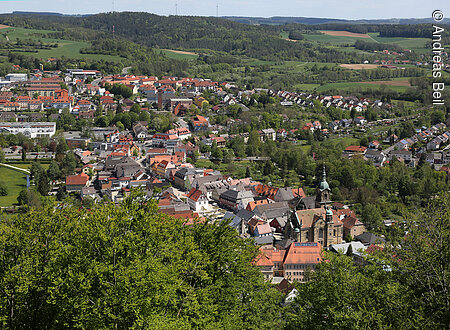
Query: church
point(314, 221)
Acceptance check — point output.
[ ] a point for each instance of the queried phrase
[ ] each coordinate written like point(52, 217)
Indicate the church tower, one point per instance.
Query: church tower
point(323, 191)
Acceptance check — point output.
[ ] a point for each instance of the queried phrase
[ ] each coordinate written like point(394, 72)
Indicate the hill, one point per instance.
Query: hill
point(279, 20)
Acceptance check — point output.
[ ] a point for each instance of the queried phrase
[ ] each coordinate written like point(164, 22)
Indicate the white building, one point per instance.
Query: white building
point(13, 77)
point(31, 130)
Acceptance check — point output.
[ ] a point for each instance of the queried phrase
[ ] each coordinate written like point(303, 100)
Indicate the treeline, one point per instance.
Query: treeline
point(154, 31)
point(30, 62)
point(371, 46)
point(144, 60)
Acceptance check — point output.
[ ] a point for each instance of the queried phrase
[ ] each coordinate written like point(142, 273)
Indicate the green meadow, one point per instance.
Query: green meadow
point(14, 181)
point(67, 48)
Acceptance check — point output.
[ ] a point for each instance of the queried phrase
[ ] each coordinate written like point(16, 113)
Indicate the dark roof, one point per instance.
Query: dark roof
point(368, 238)
point(263, 240)
point(309, 202)
point(245, 214)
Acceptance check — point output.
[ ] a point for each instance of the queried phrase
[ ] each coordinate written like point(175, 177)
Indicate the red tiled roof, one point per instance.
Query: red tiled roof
point(355, 149)
point(80, 179)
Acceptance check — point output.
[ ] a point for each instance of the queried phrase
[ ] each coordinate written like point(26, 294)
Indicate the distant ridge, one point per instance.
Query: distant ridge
point(279, 20)
point(38, 13)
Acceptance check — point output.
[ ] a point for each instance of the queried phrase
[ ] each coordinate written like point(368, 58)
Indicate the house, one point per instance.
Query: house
point(201, 102)
point(299, 258)
point(199, 123)
point(197, 200)
point(369, 238)
point(75, 183)
point(182, 132)
point(374, 145)
point(292, 263)
point(355, 149)
point(376, 156)
point(269, 134)
point(353, 227)
point(140, 132)
point(343, 247)
point(235, 200)
point(360, 121)
point(404, 155)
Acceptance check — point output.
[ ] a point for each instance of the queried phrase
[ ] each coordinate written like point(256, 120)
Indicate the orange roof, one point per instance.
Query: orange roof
point(355, 149)
point(298, 192)
point(251, 205)
point(350, 222)
point(303, 253)
point(194, 194)
point(80, 179)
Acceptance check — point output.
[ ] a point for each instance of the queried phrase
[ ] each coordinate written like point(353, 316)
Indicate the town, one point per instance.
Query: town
point(290, 227)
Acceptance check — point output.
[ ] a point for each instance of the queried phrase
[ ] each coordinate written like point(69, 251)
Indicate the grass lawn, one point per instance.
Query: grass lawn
point(334, 40)
point(27, 166)
point(14, 182)
point(67, 48)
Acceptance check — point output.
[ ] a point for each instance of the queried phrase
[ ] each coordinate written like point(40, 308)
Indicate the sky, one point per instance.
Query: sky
point(350, 9)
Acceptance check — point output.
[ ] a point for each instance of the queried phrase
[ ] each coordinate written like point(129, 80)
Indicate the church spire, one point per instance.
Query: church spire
point(324, 184)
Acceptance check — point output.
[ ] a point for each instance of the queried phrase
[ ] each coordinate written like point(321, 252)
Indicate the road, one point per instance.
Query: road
point(126, 69)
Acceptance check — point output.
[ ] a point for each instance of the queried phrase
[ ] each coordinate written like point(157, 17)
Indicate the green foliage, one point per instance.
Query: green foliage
point(128, 266)
point(346, 296)
point(421, 260)
point(30, 198)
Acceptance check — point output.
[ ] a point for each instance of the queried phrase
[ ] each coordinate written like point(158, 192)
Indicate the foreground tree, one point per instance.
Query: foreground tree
point(422, 260)
point(404, 286)
point(128, 266)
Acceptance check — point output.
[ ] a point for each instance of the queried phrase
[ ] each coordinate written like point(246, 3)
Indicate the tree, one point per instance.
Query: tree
point(350, 251)
point(421, 261)
point(36, 171)
point(24, 154)
point(29, 197)
point(43, 185)
point(102, 268)
point(61, 193)
point(343, 295)
point(69, 163)
point(53, 171)
point(2, 156)
point(3, 190)
point(248, 174)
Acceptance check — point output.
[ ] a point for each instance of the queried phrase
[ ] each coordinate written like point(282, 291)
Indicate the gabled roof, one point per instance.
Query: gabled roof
point(303, 253)
point(195, 194)
point(80, 179)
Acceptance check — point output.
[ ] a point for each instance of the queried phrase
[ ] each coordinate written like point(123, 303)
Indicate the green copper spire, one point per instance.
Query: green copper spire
point(324, 184)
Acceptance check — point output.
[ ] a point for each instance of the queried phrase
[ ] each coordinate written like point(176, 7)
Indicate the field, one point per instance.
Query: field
point(67, 48)
point(388, 83)
point(338, 37)
point(178, 54)
point(398, 85)
point(345, 34)
point(333, 40)
point(416, 44)
point(359, 66)
point(14, 182)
